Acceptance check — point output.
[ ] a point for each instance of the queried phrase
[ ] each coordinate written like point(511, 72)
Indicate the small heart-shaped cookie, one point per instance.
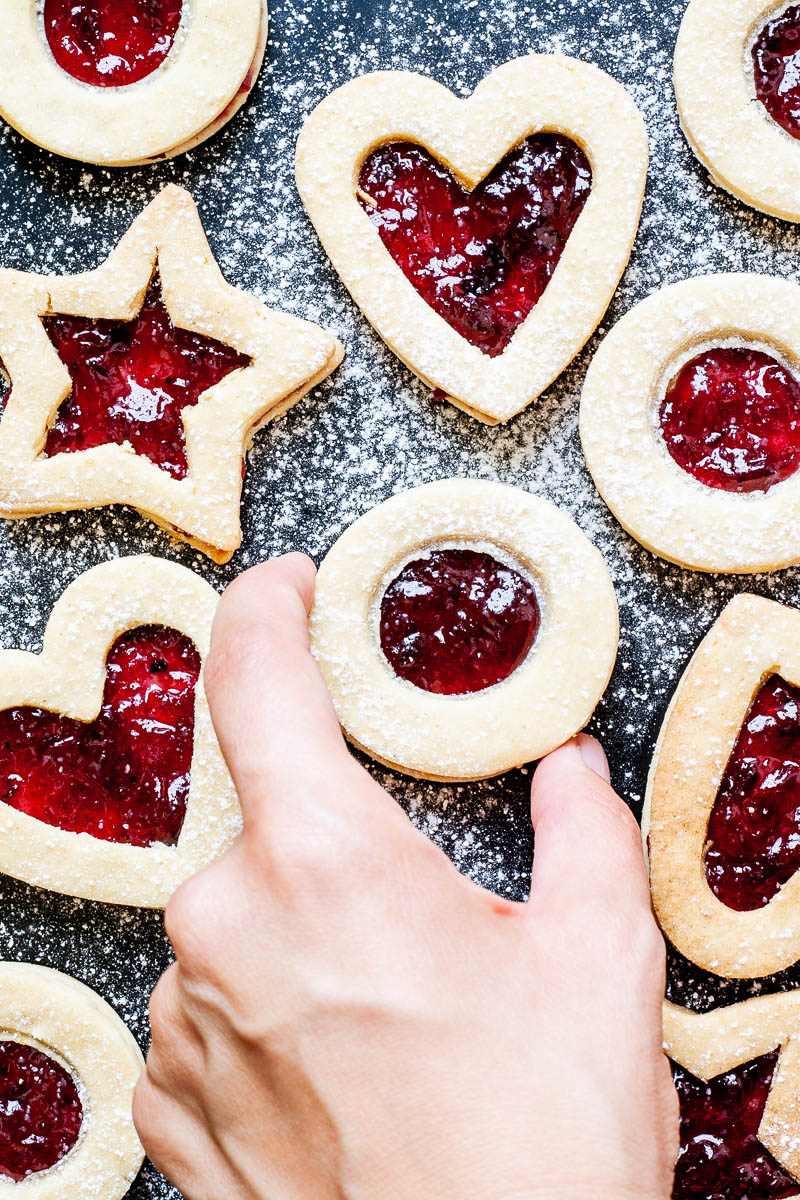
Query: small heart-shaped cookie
point(112, 784)
point(483, 238)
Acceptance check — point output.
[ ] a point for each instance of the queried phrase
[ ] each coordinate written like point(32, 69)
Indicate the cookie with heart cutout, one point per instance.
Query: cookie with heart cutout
point(482, 237)
point(68, 1069)
point(690, 422)
point(121, 82)
point(144, 381)
point(452, 636)
point(721, 816)
point(738, 94)
point(737, 1074)
point(112, 783)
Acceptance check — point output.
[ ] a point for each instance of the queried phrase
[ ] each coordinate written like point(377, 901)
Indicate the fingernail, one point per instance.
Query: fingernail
point(593, 755)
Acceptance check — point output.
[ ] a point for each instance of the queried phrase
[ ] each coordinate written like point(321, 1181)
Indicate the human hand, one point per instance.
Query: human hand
point(349, 1018)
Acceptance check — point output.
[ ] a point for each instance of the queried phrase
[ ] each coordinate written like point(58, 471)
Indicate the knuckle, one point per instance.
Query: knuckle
point(615, 810)
point(650, 947)
point(160, 1023)
point(289, 847)
point(145, 1108)
point(640, 943)
point(189, 919)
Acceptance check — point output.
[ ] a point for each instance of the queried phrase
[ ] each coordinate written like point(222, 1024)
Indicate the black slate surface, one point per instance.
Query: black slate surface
point(372, 429)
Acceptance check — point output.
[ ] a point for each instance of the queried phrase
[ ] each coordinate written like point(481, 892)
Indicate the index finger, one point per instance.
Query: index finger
point(271, 710)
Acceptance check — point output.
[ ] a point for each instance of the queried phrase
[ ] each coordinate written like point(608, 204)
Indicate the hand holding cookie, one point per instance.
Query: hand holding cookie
point(349, 1015)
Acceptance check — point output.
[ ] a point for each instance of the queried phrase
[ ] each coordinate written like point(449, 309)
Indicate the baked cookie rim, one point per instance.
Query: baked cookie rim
point(220, 46)
point(730, 131)
point(64, 1017)
point(663, 507)
point(481, 734)
point(288, 357)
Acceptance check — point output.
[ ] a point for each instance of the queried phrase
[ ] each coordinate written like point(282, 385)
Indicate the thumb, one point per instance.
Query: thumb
point(588, 842)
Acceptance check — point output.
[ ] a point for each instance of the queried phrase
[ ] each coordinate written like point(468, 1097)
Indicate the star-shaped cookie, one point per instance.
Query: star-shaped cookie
point(110, 326)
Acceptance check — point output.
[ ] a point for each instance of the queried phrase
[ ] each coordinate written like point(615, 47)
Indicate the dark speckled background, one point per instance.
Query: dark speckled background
point(372, 429)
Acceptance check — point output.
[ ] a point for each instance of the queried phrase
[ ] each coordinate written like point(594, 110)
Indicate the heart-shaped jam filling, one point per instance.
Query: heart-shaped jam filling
point(131, 381)
point(753, 839)
point(776, 63)
point(731, 419)
point(457, 621)
point(125, 776)
point(720, 1155)
point(481, 259)
point(40, 1111)
point(111, 43)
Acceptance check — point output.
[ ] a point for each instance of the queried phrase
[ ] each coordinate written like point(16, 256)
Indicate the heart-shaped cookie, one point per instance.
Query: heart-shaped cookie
point(112, 784)
point(554, 154)
point(737, 1072)
point(68, 1069)
point(721, 810)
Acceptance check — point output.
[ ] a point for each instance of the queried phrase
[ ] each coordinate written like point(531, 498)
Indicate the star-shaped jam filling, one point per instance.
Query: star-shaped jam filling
point(131, 381)
point(721, 1157)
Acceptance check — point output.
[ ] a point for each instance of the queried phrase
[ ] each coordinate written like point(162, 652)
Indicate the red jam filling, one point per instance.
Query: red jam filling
point(457, 621)
point(731, 418)
point(481, 259)
point(753, 839)
point(776, 62)
point(125, 776)
point(131, 381)
point(40, 1111)
point(721, 1157)
point(111, 43)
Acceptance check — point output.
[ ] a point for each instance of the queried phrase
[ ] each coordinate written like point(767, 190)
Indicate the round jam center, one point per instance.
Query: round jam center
point(753, 838)
point(125, 776)
point(457, 621)
point(720, 1155)
point(731, 418)
point(776, 63)
point(131, 381)
point(111, 43)
point(40, 1111)
point(481, 259)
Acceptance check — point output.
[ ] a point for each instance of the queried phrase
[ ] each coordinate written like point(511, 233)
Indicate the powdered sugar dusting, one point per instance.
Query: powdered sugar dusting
point(372, 429)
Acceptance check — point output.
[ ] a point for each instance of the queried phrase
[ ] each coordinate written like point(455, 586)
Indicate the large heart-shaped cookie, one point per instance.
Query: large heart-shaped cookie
point(113, 784)
point(574, 117)
point(721, 810)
